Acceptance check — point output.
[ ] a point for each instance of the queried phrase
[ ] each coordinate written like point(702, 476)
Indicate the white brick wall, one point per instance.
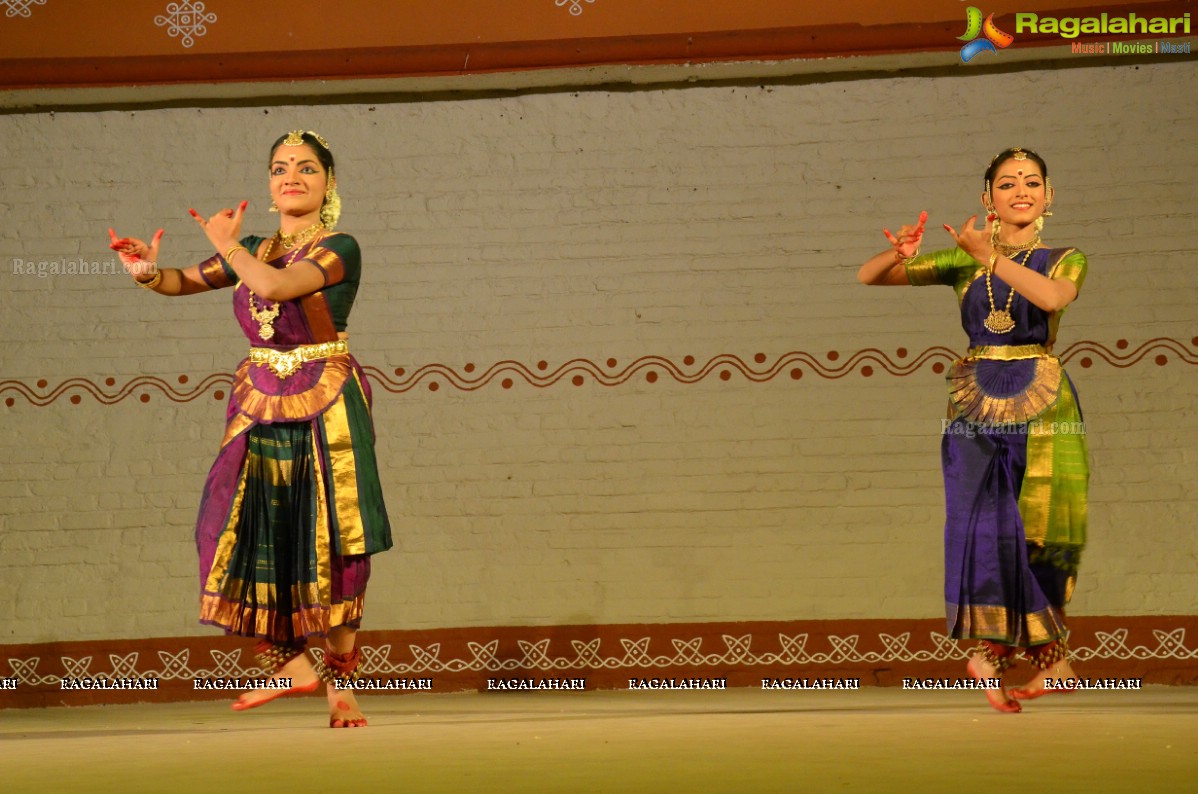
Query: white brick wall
point(698, 221)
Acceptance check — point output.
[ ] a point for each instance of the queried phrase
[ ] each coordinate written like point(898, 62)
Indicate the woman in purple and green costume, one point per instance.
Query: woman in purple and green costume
point(292, 509)
point(1014, 449)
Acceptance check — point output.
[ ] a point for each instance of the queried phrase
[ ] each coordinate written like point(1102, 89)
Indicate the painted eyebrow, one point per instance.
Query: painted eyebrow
point(301, 162)
point(1027, 176)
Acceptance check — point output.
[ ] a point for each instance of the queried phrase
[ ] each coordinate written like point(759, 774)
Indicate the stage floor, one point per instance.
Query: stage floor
point(740, 740)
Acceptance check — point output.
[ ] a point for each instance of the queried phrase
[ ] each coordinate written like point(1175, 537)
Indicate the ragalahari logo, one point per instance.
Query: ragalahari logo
point(992, 37)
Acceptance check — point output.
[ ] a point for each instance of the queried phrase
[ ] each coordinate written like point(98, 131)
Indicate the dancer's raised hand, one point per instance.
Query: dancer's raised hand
point(224, 228)
point(138, 258)
point(906, 244)
point(971, 239)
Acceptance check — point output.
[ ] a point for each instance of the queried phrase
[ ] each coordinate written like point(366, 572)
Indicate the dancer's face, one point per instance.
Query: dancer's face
point(297, 180)
point(1018, 191)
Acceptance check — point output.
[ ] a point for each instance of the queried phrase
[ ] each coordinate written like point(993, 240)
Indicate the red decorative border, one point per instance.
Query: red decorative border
point(878, 652)
point(440, 38)
point(578, 371)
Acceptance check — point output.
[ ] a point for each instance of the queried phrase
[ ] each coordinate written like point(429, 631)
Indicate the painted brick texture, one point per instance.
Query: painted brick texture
point(703, 221)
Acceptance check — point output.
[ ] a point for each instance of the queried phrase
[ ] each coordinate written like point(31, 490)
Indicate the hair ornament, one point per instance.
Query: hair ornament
point(296, 138)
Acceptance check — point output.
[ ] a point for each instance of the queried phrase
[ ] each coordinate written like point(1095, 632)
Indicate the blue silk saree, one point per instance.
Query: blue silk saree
point(1014, 457)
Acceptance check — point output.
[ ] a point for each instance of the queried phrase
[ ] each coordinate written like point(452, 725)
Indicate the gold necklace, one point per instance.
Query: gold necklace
point(1001, 322)
point(1010, 250)
point(289, 241)
point(266, 317)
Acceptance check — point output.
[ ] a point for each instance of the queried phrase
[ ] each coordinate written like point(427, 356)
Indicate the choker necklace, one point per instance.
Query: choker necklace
point(999, 321)
point(289, 241)
point(266, 317)
point(1010, 250)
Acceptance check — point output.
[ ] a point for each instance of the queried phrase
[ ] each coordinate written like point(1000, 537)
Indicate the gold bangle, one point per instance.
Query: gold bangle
point(233, 250)
point(993, 262)
point(151, 283)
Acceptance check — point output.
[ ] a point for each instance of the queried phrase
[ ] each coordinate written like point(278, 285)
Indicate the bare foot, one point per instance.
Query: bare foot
point(343, 708)
point(981, 670)
point(1059, 673)
point(295, 677)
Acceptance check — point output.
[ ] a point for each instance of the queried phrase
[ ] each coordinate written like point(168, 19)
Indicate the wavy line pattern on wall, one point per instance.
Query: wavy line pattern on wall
point(610, 372)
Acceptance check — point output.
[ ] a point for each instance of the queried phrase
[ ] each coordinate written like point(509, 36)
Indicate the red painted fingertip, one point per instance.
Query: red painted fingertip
point(194, 214)
point(244, 204)
point(947, 228)
point(158, 235)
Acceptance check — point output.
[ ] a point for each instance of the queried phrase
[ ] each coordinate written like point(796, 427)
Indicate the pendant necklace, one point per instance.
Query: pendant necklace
point(266, 317)
point(999, 321)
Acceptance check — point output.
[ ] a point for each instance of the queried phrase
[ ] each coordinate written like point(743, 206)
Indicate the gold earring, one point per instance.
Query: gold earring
point(273, 207)
point(330, 212)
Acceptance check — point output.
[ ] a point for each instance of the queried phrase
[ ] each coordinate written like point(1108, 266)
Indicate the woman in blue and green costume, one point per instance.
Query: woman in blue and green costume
point(292, 509)
point(1014, 447)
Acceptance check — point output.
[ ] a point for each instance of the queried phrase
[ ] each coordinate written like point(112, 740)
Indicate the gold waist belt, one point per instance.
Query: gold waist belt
point(285, 363)
point(1008, 352)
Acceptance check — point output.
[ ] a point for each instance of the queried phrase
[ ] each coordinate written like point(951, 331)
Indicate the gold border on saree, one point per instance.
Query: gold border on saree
point(285, 363)
point(1007, 352)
